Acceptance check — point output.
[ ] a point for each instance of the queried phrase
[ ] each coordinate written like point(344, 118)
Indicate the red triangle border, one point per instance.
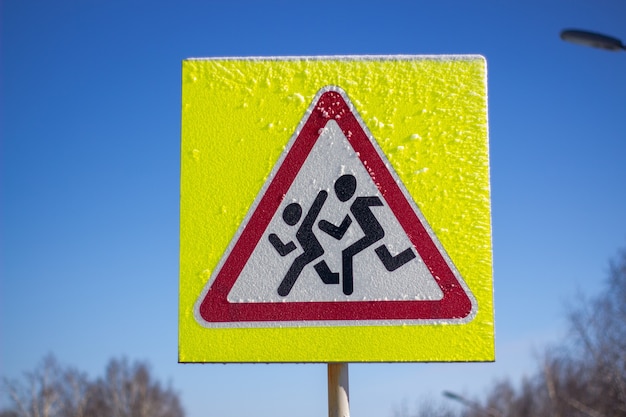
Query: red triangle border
point(213, 308)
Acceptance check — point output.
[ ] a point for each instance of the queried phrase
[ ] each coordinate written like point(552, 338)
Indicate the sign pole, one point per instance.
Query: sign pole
point(338, 390)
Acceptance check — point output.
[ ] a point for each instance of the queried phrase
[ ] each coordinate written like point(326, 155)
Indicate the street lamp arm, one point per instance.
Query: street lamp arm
point(472, 404)
point(592, 39)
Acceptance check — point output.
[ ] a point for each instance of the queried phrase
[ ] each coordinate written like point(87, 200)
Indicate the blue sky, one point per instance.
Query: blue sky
point(90, 178)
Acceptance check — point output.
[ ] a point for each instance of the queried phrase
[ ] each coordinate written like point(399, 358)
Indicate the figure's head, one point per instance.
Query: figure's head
point(345, 186)
point(292, 214)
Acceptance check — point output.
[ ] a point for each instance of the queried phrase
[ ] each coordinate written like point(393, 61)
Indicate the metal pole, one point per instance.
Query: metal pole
point(338, 391)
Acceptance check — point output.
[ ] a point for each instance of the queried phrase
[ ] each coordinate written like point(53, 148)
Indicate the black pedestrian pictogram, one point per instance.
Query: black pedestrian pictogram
point(345, 188)
point(311, 247)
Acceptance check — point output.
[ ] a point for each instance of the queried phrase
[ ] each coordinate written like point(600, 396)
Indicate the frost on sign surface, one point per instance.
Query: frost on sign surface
point(335, 209)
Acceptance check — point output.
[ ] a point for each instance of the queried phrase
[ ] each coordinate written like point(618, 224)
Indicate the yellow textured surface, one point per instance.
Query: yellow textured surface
point(429, 116)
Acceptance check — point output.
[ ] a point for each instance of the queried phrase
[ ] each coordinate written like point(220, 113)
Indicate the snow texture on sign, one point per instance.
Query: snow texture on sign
point(331, 158)
point(427, 118)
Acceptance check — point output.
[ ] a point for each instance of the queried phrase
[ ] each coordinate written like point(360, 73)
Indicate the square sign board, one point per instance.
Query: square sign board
point(335, 209)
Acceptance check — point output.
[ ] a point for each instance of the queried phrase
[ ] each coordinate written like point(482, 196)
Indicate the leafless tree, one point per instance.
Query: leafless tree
point(590, 379)
point(38, 395)
point(582, 376)
point(130, 391)
point(125, 391)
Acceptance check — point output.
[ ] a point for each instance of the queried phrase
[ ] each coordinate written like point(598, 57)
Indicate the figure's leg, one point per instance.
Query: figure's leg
point(348, 279)
point(292, 276)
point(346, 260)
point(394, 262)
point(327, 276)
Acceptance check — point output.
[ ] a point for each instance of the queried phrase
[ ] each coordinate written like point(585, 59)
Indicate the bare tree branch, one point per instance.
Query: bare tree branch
point(125, 391)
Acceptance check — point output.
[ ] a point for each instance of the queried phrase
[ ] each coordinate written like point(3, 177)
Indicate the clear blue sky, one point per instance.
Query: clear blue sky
point(90, 178)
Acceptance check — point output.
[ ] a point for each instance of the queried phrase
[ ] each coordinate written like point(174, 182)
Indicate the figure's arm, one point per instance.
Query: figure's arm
point(281, 248)
point(335, 231)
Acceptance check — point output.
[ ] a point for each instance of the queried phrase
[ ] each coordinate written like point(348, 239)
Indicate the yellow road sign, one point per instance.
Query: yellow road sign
point(335, 209)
